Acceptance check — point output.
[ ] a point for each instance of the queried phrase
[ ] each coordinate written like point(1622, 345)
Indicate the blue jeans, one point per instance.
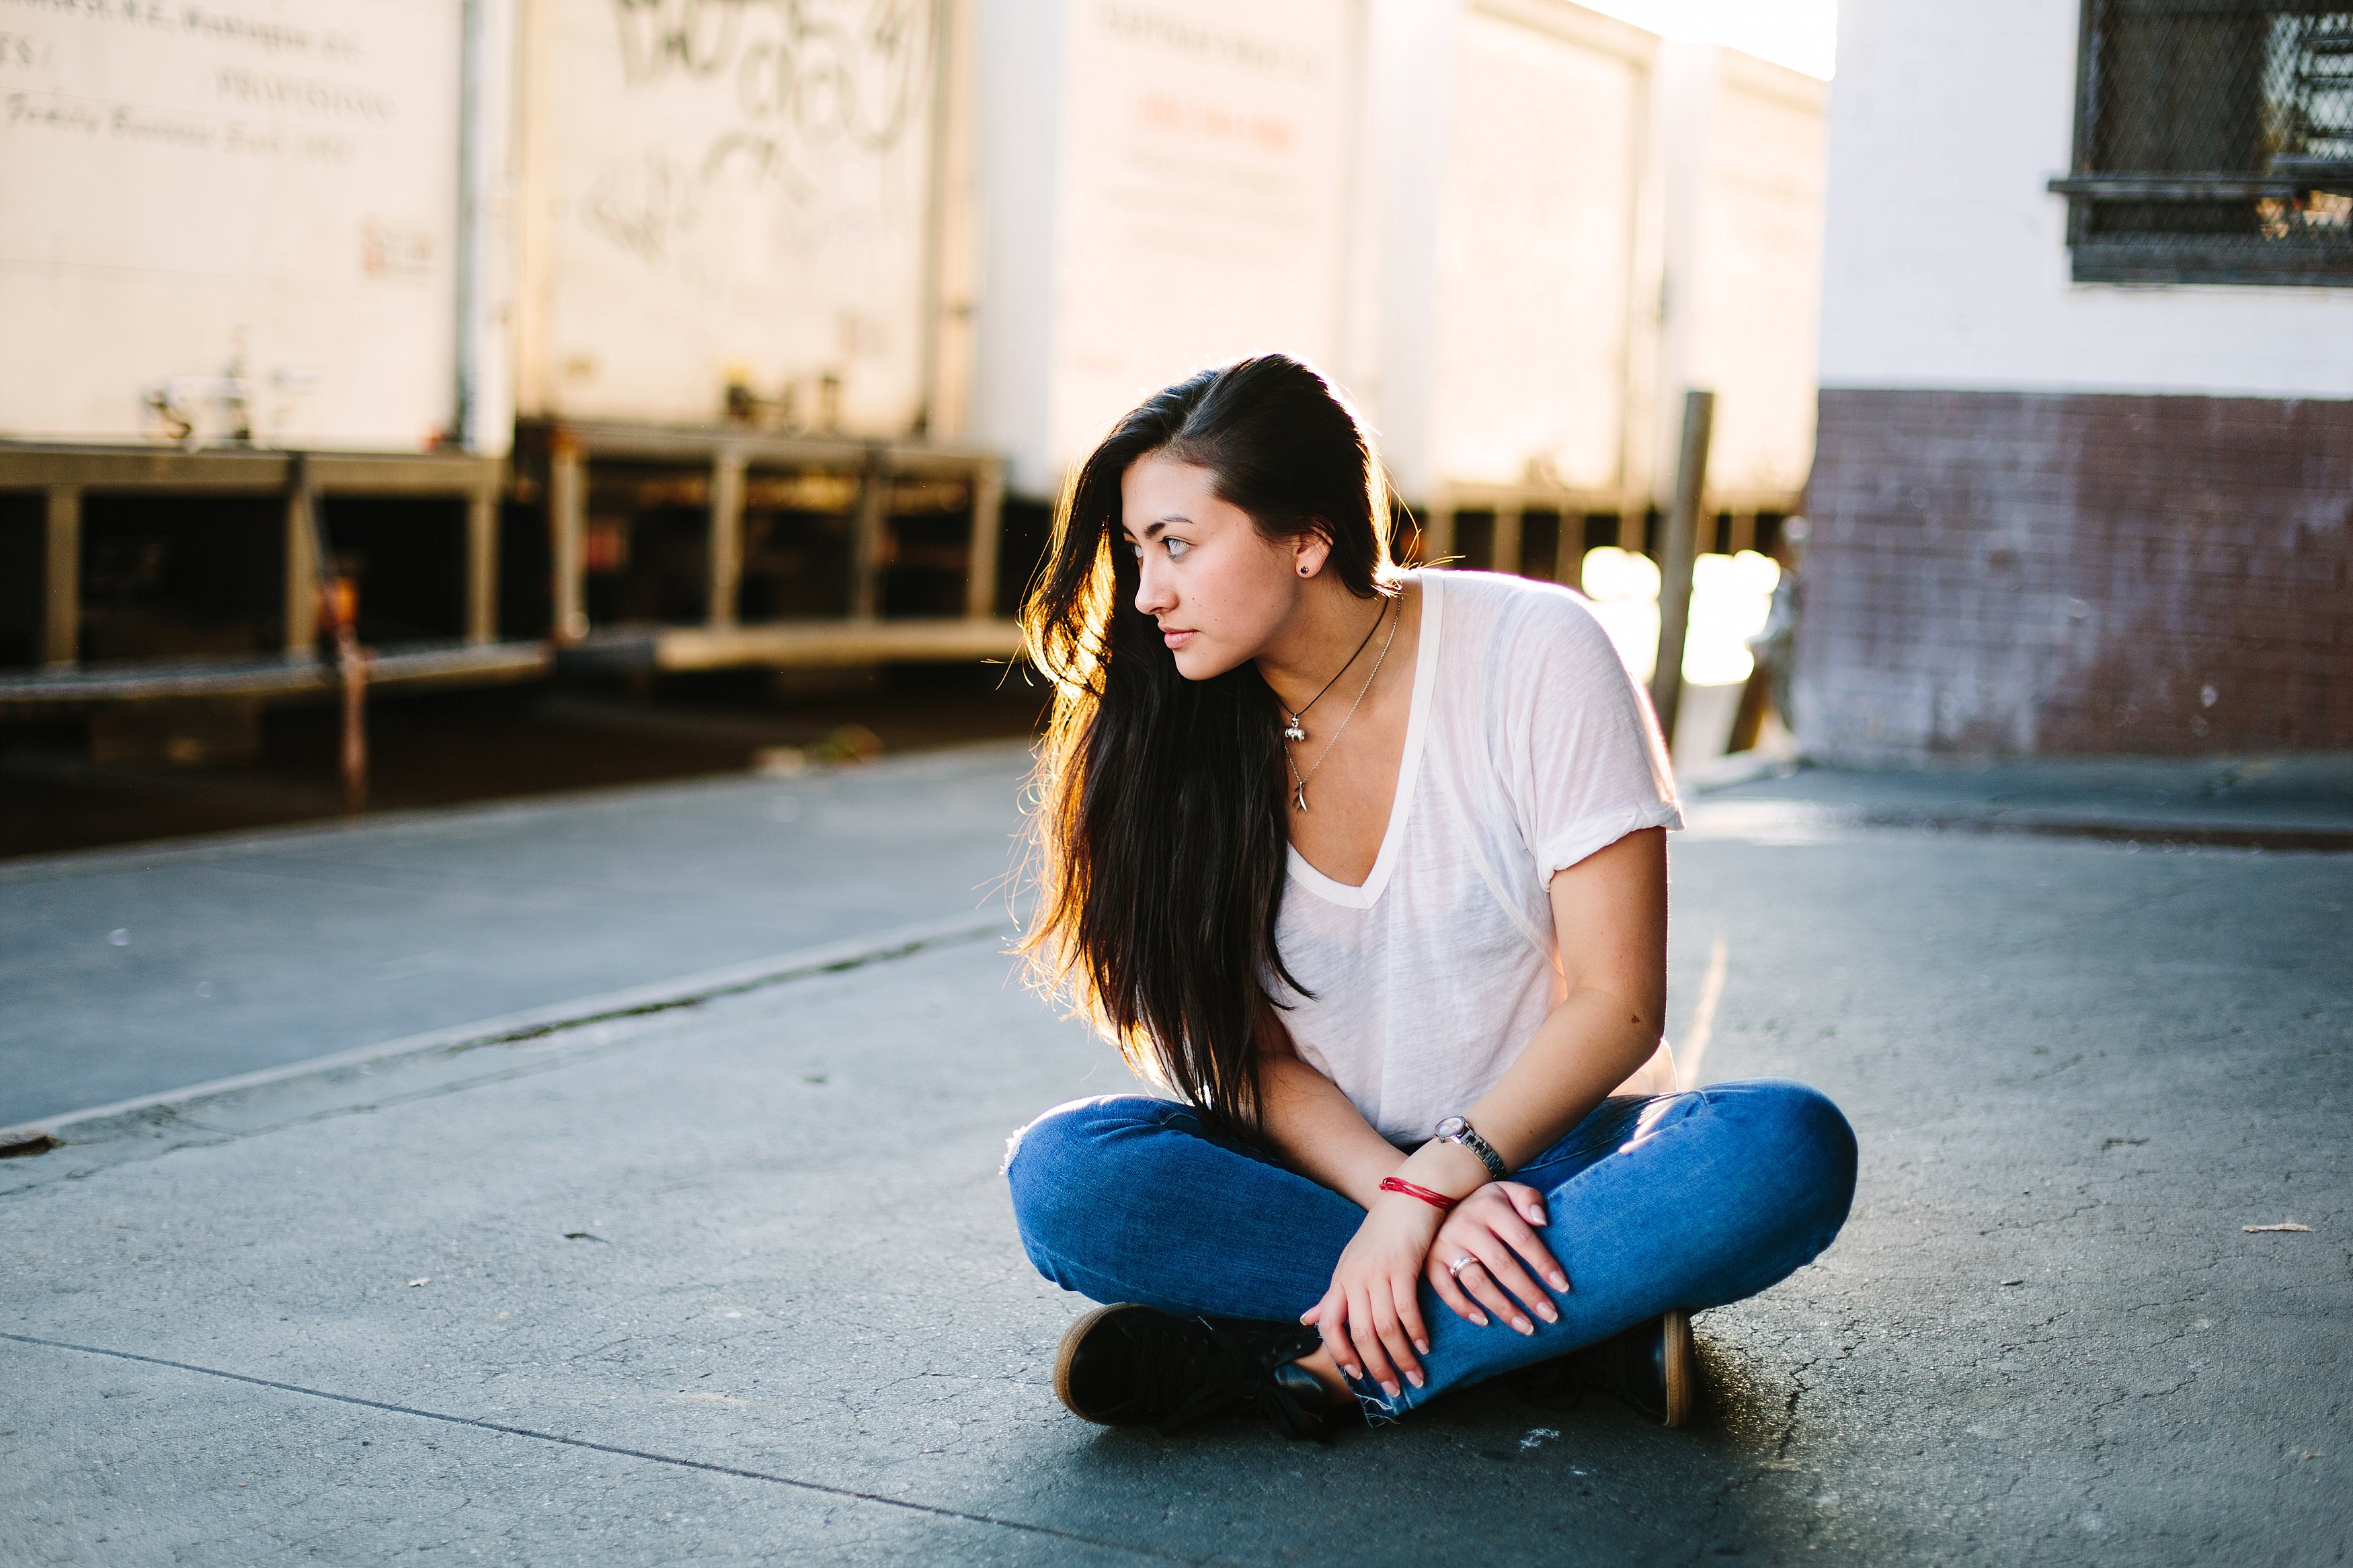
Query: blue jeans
point(1682, 1200)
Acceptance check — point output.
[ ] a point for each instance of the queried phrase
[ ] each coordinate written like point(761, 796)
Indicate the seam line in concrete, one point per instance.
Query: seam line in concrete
point(851, 1493)
point(660, 996)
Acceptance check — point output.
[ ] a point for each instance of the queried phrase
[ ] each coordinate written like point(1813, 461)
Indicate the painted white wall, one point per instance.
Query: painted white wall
point(1390, 346)
point(1538, 304)
point(1741, 151)
point(1018, 55)
point(187, 191)
point(487, 195)
point(726, 193)
point(1455, 208)
point(1165, 183)
point(1946, 260)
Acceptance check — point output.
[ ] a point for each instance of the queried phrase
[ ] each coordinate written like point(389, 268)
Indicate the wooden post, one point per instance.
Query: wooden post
point(567, 523)
point(1676, 553)
point(304, 570)
point(1506, 548)
point(482, 567)
point(329, 600)
point(726, 552)
point(867, 543)
point(343, 608)
point(61, 613)
point(988, 530)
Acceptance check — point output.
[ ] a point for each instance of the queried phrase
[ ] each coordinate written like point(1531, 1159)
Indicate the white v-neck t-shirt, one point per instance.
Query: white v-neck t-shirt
point(1528, 747)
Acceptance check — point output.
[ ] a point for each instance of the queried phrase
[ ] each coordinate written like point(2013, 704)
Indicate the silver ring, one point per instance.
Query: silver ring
point(1459, 1263)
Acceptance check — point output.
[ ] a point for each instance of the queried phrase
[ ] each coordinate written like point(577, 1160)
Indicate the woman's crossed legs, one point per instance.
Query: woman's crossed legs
point(1685, 1200)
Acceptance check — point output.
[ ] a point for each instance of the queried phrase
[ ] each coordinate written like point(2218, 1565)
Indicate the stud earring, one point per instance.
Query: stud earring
point(1303, 571)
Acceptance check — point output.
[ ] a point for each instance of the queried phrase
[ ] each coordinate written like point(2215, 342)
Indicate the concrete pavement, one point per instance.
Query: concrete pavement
point(739, 1281)
point(248, 951)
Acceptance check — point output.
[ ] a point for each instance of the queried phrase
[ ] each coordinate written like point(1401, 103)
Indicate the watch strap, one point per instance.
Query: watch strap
point(1468, 1136)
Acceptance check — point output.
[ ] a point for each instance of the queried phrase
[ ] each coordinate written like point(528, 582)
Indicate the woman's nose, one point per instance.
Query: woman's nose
point(1153, 595)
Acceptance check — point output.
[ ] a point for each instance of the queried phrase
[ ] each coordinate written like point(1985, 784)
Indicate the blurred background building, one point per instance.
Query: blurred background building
point(628, 338)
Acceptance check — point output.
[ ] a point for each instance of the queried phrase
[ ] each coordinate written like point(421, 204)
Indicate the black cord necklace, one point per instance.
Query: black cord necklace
point(1296, 730)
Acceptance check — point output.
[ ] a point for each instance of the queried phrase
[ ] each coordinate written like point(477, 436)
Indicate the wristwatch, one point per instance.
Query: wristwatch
point(1455, 1130)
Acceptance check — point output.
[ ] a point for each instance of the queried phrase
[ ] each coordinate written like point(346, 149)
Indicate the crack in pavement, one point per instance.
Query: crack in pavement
point(822, 1489)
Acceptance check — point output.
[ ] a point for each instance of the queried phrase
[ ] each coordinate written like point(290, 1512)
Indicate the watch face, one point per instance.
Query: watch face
point(1453, 1127)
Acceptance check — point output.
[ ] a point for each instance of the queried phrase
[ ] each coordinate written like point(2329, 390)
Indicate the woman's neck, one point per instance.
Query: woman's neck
point(1319, 640)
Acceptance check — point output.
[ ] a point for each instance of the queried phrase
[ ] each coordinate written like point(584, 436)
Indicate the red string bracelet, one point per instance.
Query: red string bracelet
point(1438, 1201)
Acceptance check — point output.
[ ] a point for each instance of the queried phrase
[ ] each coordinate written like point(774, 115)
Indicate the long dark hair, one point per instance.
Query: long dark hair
point(1157, 830)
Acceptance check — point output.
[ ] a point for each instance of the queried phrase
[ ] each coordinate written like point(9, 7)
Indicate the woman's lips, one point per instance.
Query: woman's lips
point(1177, 636)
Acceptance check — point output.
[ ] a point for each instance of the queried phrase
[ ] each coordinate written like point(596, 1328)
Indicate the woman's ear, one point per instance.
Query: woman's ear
point(1309, 551)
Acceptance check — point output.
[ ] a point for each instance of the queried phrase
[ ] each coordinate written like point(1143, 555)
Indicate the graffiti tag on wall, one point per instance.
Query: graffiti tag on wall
point(792, 99)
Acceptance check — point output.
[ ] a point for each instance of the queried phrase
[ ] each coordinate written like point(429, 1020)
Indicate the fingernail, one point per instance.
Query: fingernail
point(1560, 1281)
point(1480, 1319)
point(1355, 1371)
point(1550, 1316)
point(1415, 1378)
point(1391, 1389)
point(1523, 1325)
point(1421, 1346)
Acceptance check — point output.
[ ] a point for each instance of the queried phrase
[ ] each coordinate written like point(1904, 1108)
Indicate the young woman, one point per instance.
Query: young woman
point(1366, 867)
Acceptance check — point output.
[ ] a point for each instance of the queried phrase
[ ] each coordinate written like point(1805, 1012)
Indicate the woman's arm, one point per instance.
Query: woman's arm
point(1320, 1131)
point(1609, 919)
point(1370, 1316)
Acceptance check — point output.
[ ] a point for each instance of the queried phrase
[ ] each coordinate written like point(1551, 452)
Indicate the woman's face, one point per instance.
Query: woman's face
point(1220, 589)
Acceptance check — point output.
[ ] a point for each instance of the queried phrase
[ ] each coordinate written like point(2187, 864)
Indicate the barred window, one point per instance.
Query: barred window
point(2213, 142)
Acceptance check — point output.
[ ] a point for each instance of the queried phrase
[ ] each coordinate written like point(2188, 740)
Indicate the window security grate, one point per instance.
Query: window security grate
point(2213, 142)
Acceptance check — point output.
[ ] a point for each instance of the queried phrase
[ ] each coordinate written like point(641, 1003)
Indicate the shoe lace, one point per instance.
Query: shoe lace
point(1198, 1376)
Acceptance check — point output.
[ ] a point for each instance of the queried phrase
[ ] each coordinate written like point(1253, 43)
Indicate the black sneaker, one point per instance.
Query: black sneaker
point(1137, 1366)
point(1653, 1366)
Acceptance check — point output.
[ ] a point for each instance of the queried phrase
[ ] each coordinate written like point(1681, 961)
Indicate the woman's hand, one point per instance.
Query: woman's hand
point(1494, 1226)
point(1371, 1317)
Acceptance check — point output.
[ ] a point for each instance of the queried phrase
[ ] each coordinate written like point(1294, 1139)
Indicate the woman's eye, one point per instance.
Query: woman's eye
point(1176, 548)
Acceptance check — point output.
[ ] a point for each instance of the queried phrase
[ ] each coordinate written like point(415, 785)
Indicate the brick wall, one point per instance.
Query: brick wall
point(2020, 573)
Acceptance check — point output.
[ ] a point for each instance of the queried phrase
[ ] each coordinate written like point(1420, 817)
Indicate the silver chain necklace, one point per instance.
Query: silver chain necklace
point(1297, 728)
point(1298, 783)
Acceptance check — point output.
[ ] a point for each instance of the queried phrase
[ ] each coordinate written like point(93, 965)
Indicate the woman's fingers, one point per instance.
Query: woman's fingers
point(1363, 1331)
point(1449, 1290)
point(1476, 1279)
point(1505, 1269)
point(1405, 1290)
point(1531, 1248)
point(1366, 1342)
point(1331, 1315)
point(1393, 1335)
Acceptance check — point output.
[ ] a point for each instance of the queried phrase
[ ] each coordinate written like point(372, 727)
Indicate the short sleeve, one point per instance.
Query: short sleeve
point(1578, 745)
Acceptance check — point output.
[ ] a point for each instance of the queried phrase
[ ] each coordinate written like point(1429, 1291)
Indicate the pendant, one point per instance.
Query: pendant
point(1292, 731)
point(1299, 797)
